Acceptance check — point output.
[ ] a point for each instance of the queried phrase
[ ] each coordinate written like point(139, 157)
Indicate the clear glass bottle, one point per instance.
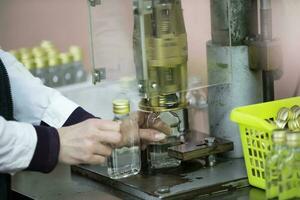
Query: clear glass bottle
point(124, 161)
point(289, 179)
point(275, 157)
point(67, 69)
point(77, 55)
point(158, 152)
point(54, 80)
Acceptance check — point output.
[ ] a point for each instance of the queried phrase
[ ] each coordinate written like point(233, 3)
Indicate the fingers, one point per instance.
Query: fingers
point(108, 137)
point(106, 125)
point(151, 120)
point(161, 126)
point(96, 160)
point(141, 118)
point(151, 135)
point(102, 150)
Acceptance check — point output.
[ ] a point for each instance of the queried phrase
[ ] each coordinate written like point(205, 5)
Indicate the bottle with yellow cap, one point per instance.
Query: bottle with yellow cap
point(289, 179)
point(80, 74)
point(275, 157)
point(41, 64)
point(55, 76)
point(67, 68)
point(124, 161)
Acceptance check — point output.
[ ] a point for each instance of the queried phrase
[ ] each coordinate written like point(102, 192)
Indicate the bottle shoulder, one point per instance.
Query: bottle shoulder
point(118, 117)
point(291, 160)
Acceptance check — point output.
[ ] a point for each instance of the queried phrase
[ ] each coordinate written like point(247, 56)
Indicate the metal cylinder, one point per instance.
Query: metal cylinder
point(266, 19)
point(268, 85)
point(241, 86)
point(229, 21)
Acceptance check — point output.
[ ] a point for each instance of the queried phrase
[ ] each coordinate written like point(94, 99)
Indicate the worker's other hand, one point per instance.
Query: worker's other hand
point(88, 142)
point(149, 126)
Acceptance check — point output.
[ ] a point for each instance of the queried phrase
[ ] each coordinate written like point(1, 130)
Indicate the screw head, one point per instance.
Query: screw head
point(163, 190)
point(210, 140)
point(154, 85)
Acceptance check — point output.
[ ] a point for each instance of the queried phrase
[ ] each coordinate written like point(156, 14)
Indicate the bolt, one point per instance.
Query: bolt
point(163, 189)
point(154, 85)
point(210, 141)
point(211, 160)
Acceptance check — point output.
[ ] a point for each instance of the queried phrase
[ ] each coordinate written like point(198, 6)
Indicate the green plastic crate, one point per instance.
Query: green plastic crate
point(256, 135)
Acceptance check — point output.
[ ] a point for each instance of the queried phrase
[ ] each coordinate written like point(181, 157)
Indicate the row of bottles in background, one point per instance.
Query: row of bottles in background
point(125, 161)
point(283, 166)
point(53, 67)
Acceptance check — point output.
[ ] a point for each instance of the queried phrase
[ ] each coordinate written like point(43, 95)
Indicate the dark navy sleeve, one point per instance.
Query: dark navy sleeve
point(77, 116)
point(46, 152)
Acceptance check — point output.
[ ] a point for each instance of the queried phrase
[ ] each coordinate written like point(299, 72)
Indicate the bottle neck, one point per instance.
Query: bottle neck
point(279, 146)
point(120, 116)
point(294, 149)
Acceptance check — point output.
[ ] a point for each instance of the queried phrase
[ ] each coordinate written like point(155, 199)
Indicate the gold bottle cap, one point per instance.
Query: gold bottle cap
point(76, 53)
point(29, 64)
point(52, 53)
point(65, 58)
point(295, 110)
point(294, 124)
point(41, 62)
point(38, 52)
point(24, 50)
point(284, 114)
point(121, 106)
point(46, 44)
point(293, 139)
point(26, 56)
point(279, 136)
point(54, 61)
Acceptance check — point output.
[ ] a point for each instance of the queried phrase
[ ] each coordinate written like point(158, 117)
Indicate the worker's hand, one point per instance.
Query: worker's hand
point(88, 142)
point(149, 126)
point(151, 122)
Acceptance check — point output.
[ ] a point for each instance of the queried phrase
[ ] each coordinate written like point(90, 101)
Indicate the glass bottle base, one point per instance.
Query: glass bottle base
point(123, 173)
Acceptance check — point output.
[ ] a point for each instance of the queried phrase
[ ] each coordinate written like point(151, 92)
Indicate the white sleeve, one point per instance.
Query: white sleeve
point(33, 102)
point(17, 145)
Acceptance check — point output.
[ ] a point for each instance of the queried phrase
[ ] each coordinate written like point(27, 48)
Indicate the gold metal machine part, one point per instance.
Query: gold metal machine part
point(160, 45)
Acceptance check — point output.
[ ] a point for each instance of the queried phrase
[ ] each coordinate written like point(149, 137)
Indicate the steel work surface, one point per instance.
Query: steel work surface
point(63, 185)
point(188, 180)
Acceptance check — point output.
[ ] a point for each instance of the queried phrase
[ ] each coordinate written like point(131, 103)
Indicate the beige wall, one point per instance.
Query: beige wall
point(65, 22)
point(26, 23)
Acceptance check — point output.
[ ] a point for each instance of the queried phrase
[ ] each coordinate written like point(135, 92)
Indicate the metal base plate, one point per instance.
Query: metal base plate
point(189, 180)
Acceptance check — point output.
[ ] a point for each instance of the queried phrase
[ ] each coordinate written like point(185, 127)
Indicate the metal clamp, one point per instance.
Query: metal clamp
point(94, 3)
point(98, 75)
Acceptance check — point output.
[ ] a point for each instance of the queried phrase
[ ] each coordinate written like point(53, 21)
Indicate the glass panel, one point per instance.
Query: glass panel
point(169, 47)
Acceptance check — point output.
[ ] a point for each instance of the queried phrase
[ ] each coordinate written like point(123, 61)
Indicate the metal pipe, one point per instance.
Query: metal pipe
point(253, 18)
point(266, 19)
point(229, 21)
point(266, 35)
point(268, 85)
point(297, 90)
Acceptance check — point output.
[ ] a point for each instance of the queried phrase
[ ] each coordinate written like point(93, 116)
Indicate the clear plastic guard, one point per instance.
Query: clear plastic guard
point(112, 30)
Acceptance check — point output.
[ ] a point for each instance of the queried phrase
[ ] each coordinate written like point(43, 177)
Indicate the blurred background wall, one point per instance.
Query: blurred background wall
point(65, 22)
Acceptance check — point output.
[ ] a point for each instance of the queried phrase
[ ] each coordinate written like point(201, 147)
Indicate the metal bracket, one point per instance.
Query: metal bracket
point(98, 75)
point(265, 55)
point(94, 3)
